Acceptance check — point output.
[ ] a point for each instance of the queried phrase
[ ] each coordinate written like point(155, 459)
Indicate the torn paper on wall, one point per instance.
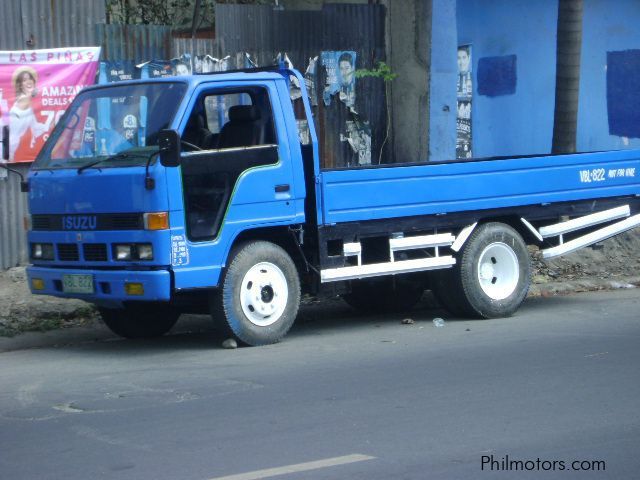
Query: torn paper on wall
point(207, 64)
point(303, 132)
point(249, 62)
point(358, 136)
point(295, 92)
point(310, 81)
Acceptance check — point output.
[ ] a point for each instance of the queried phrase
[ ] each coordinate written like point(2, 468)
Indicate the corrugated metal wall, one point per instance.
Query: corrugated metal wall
point(197, 46)
point(13, 208)
point(26, 24)
point(49, 23)
point(139, 43)
point(263, 31)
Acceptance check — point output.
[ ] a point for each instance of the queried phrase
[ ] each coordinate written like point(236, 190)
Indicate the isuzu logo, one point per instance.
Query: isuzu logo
point(79, 222)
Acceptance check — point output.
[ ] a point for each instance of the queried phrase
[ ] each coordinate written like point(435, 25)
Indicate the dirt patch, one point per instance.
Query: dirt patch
point(614, 263)
point(20, 311)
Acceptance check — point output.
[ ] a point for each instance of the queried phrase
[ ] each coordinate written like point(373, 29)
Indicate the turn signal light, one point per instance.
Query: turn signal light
point(37, 284)
point(134, 288)
point(156, 221)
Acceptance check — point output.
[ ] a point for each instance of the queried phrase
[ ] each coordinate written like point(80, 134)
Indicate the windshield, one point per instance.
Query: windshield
point(102, 123)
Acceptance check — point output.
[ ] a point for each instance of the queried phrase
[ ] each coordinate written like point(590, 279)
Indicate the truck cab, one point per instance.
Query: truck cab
point(111, 224)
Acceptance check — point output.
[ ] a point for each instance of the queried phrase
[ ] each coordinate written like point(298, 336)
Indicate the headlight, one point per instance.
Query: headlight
point(125, 252)
point(145, 251)
point(42, 251)
point(122, 252)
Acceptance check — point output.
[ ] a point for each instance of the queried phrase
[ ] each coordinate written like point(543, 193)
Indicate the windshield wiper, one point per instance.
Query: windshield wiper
point(118, 156)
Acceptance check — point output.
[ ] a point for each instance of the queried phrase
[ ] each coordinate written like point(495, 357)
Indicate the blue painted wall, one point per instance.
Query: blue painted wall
point(521, 122)
point(442, 82)
point(609, 27)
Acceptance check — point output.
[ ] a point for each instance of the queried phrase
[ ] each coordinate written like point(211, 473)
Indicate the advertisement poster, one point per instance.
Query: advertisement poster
point(36, 87)
point(340, 67)
point(156, 69)
point(464, 93)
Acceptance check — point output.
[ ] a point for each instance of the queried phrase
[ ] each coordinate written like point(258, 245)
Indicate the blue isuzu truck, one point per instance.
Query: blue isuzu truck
point(207, 201)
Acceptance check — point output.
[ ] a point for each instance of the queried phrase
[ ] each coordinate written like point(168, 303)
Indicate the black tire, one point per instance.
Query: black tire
point(492, 275)
point(259, 296)
point(444, 287)
point(140, 321)
point(385, 295)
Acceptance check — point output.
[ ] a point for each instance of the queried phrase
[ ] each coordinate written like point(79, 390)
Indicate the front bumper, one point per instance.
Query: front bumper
point(109, 285)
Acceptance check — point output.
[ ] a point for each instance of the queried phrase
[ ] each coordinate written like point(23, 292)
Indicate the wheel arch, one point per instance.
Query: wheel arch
point(279, 235)
point(514, 222)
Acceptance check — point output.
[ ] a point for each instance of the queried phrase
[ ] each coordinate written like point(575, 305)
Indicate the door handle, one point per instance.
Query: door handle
point(282, 188)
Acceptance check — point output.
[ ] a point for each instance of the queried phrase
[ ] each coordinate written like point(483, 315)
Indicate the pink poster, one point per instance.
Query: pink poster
point(36, 87)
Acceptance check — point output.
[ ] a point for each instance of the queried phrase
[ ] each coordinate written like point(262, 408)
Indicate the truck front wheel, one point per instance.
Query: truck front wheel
point(492, 276)
point(140, 321)
point(259, 296)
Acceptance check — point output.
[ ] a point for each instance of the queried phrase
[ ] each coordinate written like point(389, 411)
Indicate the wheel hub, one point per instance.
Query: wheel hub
point(498, 271)
point(264, 294)
point(267, 294)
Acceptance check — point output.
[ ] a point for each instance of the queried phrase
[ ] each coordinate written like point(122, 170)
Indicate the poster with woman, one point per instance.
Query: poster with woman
point(36, 87)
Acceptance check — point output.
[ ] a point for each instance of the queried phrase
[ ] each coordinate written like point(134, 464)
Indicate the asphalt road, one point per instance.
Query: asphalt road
point(343, 397)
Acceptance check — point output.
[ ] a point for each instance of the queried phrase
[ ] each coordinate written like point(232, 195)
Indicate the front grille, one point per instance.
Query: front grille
point(68, 252)
point(78, 222)
point(122, 221)
point(95, 252)
point(41, 222)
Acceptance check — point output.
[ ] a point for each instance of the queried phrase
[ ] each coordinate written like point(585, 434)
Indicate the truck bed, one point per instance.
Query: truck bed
point(389, 191)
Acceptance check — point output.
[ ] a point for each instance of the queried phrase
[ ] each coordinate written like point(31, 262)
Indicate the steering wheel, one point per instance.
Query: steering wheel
point(190, 145)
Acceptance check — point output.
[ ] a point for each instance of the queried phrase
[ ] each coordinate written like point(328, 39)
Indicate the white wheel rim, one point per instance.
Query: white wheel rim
point(498, 271)
point(264, 294)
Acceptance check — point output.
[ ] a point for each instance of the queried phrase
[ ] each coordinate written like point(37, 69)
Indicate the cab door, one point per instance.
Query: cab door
point(236, 175)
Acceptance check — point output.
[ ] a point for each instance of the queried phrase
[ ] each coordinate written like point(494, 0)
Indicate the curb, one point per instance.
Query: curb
point(550, 289)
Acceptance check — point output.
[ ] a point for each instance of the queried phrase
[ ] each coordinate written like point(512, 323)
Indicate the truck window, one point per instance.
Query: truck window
point(230, 120)
point(104, 122)
point(219, 129)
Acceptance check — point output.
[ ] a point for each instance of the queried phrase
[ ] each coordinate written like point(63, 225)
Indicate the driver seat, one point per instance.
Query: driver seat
point(244, 128)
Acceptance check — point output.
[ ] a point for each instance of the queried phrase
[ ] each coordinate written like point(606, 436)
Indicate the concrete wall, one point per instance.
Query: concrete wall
point(408, 43)
point(408, 51)
point(610, 28)
point(520, 122)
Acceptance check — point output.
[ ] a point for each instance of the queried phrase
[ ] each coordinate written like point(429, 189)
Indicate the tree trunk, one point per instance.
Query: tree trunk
point(569, 46)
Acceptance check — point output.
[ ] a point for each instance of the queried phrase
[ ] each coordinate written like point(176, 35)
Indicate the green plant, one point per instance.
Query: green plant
point(384, 72)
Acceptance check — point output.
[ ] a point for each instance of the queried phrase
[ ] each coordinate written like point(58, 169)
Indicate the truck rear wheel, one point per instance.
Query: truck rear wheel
point(492, 276)
point(259, 296)
point(140, 321)
point(384, 295)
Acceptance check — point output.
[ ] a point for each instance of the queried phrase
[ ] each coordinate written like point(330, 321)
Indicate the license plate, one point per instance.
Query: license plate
point(77, 283)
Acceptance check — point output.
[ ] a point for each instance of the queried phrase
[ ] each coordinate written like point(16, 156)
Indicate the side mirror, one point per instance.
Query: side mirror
point(5, 142)
point(169, 143)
